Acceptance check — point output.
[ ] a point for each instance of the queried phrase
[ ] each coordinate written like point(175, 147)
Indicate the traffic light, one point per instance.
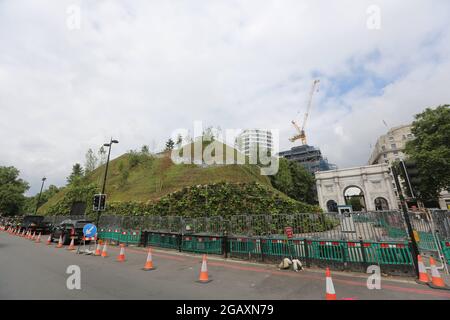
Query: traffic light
point(99, 202)
point(410, 174)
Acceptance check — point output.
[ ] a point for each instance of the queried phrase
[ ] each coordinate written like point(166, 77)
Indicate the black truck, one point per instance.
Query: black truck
point(34, 224)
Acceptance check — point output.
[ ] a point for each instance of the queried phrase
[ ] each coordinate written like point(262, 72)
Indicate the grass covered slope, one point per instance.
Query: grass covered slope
point(142, 183)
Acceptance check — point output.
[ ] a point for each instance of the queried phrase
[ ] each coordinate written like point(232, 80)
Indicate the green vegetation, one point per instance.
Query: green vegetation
point(141, 183)
point(295, 181)
point(431, 150)
point(12, 190)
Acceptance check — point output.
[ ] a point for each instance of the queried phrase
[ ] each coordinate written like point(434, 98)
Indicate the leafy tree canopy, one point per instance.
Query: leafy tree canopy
point(76, 175)
point(431, 150)
point(295, 181)
point(12, 190)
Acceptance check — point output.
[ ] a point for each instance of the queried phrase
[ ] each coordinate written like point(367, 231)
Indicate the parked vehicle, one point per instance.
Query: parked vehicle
point(34, 224)
point(68, 229)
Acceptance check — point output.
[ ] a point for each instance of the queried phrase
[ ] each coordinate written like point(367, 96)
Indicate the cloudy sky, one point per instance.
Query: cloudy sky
point(138, 70)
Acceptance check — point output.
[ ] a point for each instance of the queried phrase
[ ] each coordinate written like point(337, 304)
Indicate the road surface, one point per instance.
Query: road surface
point(37, 271)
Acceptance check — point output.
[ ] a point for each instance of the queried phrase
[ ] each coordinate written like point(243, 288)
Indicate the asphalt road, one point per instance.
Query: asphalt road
point(37, 271)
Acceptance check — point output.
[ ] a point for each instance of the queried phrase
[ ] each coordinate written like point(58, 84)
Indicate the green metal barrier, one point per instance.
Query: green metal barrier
point(163, 240)
point(130, 237)
point(109, 235)
point(202, 244)
point(327, 250)
point(389, 253)
point(244, 246)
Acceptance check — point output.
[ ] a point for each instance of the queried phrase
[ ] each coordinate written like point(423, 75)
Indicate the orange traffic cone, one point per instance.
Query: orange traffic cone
point(149, 263)
point(105, 248)
point(121, 257)
point(423, 274)
point(71, 245)
point(33, 236)
point(204, 271)
point(38, 239)
point(436, 280)
point(98, 251)
point(330, 293)
point(49, 240)
point(60, 242)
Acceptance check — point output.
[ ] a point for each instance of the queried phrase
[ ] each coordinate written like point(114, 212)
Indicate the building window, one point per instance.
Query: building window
point(383, 148)
point(396, 153)
point(393, 146)
point(391, 138)
point(385, 156)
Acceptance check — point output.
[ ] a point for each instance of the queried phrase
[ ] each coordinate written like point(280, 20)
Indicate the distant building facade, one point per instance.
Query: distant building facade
point(390, 147)
point(373, 182)
point(249, 140)
point(309, 157)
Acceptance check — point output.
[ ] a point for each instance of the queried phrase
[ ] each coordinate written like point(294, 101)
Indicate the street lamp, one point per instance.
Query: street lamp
point(40, 193)
point(109, 145)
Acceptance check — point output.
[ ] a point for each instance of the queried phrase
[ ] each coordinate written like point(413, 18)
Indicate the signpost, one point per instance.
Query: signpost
point(89, 234)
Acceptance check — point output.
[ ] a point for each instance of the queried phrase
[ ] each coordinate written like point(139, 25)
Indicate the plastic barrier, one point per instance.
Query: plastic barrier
point(163, 240)
point(130, 237)
point(202, 244)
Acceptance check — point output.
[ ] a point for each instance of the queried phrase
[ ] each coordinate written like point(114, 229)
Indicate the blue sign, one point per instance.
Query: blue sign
point(89, 230)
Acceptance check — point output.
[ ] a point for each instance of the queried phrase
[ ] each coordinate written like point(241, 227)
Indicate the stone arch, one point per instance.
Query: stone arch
point(381, 204)
point(354, 196)
point(332, 206)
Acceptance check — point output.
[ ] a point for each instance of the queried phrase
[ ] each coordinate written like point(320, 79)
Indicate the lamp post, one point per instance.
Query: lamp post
point(109, 145)
point(40, 193)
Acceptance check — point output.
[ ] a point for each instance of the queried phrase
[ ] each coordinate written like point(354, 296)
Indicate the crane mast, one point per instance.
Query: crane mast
point(301, 130)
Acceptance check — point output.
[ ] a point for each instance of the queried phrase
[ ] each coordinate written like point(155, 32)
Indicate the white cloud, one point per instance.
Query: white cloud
point(136, 70)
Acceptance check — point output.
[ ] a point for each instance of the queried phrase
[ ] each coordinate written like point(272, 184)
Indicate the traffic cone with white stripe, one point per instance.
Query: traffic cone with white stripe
point(204, 272)
point(149, 263)
point(38, 239)
point(49, 240)
point(330, 293)
point(423, 274)
point(71, 245)
point(60, 242)
point(121, 256)
point(436, 280)
point(33, 236)
point(105, 250)
point(98, 250)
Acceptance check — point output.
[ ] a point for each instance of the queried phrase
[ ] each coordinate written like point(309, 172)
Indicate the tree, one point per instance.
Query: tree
point(31, 202)
point(169, 145)
point(12, 191)
point(91, 162)
point(431, 150)
point(295, 181)
point(76, 175)
point(102, 156)
point(145, 150)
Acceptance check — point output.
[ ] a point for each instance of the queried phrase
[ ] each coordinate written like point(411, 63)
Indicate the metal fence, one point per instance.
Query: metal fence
point(376, 226)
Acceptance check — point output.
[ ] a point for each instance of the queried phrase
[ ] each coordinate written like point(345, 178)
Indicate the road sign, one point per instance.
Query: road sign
point(89, 230)
point(289, 232)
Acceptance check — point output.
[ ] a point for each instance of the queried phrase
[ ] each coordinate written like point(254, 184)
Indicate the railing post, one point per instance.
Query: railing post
point(225, 245)
point(145, 240)
point(307, 259)
point(363, 252)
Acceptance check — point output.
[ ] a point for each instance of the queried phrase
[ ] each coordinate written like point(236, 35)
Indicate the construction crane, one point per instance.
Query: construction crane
point(301, 131)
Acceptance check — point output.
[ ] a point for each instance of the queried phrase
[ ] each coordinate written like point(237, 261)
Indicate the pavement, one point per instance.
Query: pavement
point(38, 271)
